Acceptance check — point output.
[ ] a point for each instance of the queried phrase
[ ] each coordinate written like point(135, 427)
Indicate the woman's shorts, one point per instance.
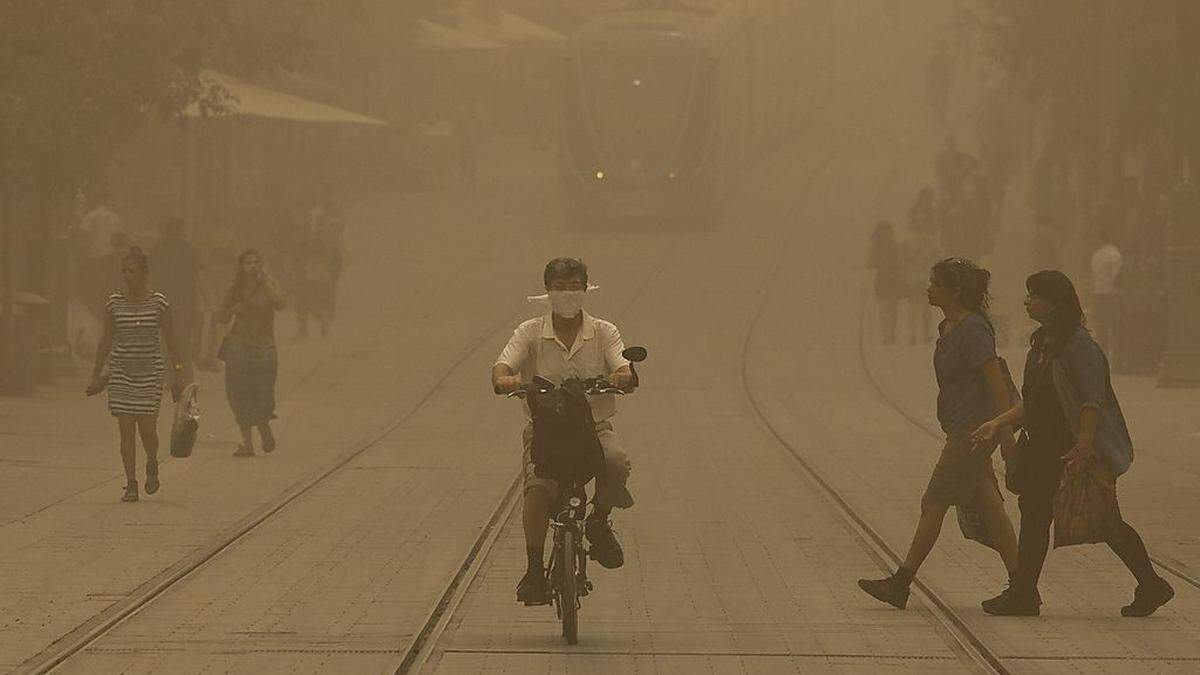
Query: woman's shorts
point(960, 469)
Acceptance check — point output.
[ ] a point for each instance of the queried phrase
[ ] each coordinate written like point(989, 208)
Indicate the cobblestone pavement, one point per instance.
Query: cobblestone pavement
point(736, 560)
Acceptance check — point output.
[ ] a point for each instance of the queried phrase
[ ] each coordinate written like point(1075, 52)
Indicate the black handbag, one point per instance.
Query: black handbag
point(1016, 465)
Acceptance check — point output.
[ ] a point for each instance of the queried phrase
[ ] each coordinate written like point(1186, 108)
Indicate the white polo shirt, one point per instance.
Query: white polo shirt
point(534, 349)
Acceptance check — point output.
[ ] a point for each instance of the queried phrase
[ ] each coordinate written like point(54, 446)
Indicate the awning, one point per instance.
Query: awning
point(436, 36)
point(509, 28)
point(251, 100)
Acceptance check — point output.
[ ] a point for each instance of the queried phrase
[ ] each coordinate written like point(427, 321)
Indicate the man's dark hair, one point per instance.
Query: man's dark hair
point(564, 268)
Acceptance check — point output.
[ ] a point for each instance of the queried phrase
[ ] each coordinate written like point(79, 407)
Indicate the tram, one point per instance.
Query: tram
point(664, 107)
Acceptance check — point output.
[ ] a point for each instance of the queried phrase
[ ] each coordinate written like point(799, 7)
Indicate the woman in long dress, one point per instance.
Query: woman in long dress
point(131, 348)
point(251, 360)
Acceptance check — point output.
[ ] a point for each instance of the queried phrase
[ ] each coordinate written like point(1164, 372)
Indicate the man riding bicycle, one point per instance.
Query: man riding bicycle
point(568, 343)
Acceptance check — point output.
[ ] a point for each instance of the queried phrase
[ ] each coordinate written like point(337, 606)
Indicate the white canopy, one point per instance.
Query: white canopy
point(252, 100)
point(509, 28)
point(436, 36)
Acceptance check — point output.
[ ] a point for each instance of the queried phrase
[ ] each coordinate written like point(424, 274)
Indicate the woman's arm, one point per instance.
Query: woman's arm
point(1089, 419)
point(996, 382)
point(1011, 413)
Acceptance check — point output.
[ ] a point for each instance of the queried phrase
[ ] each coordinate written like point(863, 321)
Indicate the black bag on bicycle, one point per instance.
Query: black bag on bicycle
point(565, 445)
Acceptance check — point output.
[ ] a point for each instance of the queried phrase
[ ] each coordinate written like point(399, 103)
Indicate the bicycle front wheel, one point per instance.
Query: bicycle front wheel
point(568, 589)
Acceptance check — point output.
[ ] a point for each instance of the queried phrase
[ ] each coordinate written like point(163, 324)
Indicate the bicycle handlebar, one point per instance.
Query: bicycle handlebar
point(595, 386)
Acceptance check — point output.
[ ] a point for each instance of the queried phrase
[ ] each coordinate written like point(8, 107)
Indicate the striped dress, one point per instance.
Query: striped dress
point(136, 364)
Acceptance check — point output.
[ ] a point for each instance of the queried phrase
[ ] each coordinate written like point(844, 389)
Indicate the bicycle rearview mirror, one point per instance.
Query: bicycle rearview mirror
point(635, 354)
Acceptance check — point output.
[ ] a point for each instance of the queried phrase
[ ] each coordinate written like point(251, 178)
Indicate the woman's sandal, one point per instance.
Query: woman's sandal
point(243, 451)
point(131, 492)
point(151, 477)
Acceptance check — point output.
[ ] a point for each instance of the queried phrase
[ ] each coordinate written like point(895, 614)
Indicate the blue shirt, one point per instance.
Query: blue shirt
point(965, 399)
point(1082, 380)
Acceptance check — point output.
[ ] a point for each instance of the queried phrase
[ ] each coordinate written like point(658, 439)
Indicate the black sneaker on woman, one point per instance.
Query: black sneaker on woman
point(1149, 597)
point(1013, 603)
point(891, 590)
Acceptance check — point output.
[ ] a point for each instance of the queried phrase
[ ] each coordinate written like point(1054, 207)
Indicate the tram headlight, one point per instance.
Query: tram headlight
point(599, 175)
point(671, 175)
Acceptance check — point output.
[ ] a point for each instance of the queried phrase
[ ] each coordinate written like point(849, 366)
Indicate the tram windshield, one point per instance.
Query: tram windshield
point(637, 96)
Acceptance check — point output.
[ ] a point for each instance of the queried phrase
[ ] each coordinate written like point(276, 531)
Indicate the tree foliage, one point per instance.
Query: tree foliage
point(77, 75)
point(1097, 62)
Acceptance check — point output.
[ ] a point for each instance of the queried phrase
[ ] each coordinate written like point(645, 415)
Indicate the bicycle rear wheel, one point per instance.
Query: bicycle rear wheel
point(568, 590)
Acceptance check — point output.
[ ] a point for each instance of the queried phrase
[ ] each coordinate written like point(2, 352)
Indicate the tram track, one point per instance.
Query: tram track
point(105, 622)
point(416, 312)
point(1172, 567)
point(856, 524)
point(416, 654)
point(101, 625)
point(422, 647)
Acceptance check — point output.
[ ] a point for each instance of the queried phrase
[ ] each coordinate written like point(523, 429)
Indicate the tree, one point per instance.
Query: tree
point(78, 75)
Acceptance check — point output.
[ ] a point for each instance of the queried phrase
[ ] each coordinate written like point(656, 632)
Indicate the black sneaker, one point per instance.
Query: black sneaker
point(890, 590)
point(1149, 597)
point(1013, 603)
point(605, 549)
point(533, 590)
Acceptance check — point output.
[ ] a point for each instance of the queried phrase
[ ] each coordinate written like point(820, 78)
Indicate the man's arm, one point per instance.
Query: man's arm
point(622, 375)
point(503, 380)
point(622, 378)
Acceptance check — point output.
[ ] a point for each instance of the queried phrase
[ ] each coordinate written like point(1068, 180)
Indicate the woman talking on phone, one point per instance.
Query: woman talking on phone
point(251, 361)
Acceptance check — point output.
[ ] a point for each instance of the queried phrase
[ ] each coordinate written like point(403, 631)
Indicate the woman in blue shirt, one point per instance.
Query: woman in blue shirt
point(972, 388)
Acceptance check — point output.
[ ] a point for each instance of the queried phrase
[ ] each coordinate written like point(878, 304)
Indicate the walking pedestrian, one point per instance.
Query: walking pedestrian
point(1106, 298)
point(1052, 200)
point(953, 168)
point(94, 242)
point(251, 359)
point(180, 281)
point(333, 230)
point(918, 252)
point(316, 270)
point(972, 387)
point(1071, 414)
point(130, 348)
point(219, 256)
point(884, 258)
point(923, 214)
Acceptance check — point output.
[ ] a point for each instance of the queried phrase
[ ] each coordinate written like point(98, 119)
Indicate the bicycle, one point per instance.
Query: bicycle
point(566, 576)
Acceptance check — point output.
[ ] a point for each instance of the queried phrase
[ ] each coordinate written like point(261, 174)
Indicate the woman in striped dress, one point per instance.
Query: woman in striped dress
point(130, 347)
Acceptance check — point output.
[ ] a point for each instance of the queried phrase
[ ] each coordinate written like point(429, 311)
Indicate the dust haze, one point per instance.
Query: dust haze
point(759, 190)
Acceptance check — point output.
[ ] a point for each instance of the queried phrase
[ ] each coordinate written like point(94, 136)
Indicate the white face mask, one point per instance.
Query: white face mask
point(567, 304)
